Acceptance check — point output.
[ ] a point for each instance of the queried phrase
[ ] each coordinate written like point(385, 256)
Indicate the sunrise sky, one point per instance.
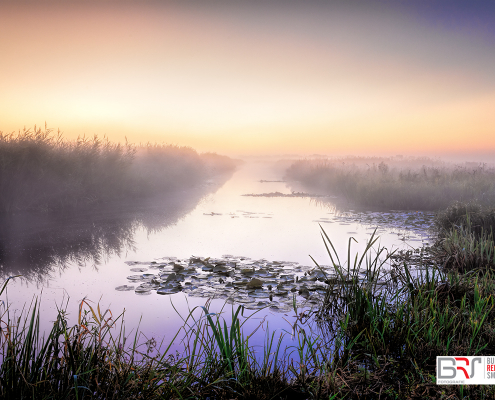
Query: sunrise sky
point(255, 77)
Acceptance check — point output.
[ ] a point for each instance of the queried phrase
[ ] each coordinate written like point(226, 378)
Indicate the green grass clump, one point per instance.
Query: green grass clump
point(41, 171)
point(396, 186)
point(94, 359)
point(389, 325)
point(471, 214)
point(466, 241)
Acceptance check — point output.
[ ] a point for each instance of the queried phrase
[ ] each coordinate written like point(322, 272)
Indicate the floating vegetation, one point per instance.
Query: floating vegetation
point(139, 269)
point(254, 283)
point(279, 194)
point(408, 225)
point(124, 288)
point(245, 214)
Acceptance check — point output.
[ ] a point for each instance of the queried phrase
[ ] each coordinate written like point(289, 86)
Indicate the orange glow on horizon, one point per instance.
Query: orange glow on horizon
point(241, 80)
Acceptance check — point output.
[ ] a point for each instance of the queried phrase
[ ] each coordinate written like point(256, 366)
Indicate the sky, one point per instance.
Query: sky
point(255, 77)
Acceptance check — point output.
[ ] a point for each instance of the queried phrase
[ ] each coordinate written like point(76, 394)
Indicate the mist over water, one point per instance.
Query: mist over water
point(34, 244)
point(90, 254)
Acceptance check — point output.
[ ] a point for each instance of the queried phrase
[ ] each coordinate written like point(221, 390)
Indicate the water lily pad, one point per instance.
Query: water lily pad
point(259, 295)
point(124, 288)
point(254, 283)
point(175, 277)
point(139, 269)
point(135, 277)
point(247, 271)
point(149, 285)
point(200, 277)
point(178, 267)
point(168, 290)
point(281, 308)
point(243, 300)
point(220, 269)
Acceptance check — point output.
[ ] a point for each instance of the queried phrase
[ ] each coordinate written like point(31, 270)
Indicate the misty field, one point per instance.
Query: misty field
point(40, 170)
point(398, 184)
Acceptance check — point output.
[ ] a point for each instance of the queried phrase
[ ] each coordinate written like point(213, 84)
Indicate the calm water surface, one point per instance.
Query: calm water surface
point(219, 223)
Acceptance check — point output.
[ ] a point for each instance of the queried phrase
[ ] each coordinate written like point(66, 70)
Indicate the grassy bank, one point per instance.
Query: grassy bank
point(94, 359)
point(39, 170)
point(377, 333)
point(412, 184)
point(390, 324)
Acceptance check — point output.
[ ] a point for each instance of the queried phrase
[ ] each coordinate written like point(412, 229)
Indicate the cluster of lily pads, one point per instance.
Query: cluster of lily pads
point(412, 226)
point(292, 194)
point(254, 283)
point(241, 213)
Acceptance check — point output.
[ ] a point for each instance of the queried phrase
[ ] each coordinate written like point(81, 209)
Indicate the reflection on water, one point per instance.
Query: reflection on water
point(207, 224)
point(34, 244)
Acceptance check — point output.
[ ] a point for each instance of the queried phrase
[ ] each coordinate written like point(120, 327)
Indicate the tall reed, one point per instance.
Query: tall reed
point(420, 187)
point(39, 170)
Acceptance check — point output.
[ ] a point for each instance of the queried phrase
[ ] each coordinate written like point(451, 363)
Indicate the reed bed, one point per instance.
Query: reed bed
point(39, 170)
point(420, 184)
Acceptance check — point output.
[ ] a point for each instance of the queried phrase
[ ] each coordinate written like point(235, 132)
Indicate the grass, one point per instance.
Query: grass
point(39, 170)
point(95, 359)
point(390, 325)
point(420, 184)
point(380, 327)
point(466, 241)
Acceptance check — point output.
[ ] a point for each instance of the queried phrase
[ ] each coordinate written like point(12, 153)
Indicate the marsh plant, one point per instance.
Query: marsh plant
point(40, 170)
point(95, 358)
point(389, 322)
point(388, 184)
point(380, 326)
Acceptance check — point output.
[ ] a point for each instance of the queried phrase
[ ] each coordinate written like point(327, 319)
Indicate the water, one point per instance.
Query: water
point(88, 257)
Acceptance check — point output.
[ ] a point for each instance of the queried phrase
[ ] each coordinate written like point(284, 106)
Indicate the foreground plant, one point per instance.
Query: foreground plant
point(389, 325)
point(94, 359)
point(381, 326)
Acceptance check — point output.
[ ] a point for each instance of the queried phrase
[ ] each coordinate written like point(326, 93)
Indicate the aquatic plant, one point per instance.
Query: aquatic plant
point(94, 358)
point(39, 170)
point(396, 186)
point(390, 324)
point(381, 325)
point(465, 237)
